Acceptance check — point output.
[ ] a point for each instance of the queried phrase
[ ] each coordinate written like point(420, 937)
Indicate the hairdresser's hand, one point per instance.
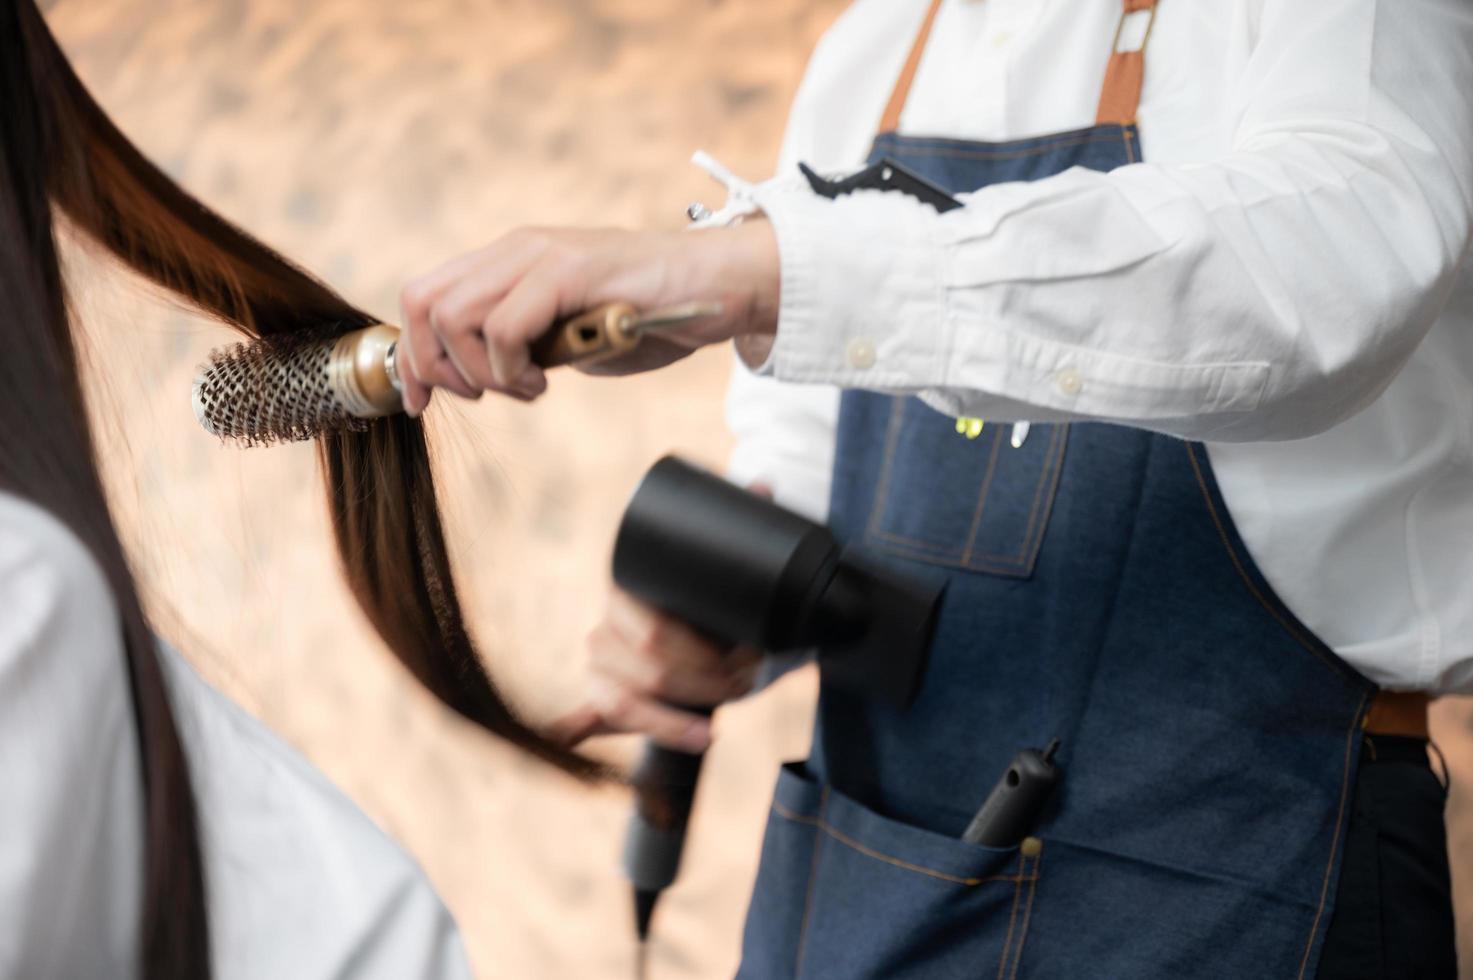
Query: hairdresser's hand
point(642, 663)
point(468, 324)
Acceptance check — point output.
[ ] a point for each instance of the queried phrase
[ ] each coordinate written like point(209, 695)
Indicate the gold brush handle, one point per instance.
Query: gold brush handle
point(596, 335)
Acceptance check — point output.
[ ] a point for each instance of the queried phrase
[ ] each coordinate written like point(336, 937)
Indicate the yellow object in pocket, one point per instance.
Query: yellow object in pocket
point(969, 427)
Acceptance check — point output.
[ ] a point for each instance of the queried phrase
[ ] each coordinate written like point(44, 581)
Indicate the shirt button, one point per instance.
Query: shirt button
point(862, 353)
point(1069, 381)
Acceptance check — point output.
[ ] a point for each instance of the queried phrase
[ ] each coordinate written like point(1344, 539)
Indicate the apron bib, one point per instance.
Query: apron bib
point(1097, 593)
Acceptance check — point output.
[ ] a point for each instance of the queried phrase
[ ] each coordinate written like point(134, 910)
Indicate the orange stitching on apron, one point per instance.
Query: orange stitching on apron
point(1335, 842)
point(1002, 959)
point(870, 852)
point(948, 560)
point(1027, 914)
point(1289, 627)
point(1299, 637)
point(969, 559)
point(966, 558)
point(892, 438)
point(1053, 468)
point(823, 805)
point(1125, 138)
point(945, 554)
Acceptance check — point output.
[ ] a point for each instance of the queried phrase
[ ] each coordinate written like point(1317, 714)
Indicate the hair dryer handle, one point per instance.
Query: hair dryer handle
point(665, 787)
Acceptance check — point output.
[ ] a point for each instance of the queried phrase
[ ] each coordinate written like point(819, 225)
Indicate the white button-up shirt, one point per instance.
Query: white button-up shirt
point(1285, 278)
point(300, 884)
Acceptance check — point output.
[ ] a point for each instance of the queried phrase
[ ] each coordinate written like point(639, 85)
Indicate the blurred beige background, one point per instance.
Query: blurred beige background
point(370, 140)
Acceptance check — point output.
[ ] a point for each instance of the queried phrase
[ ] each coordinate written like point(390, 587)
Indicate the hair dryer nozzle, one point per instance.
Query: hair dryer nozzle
point(744, 570)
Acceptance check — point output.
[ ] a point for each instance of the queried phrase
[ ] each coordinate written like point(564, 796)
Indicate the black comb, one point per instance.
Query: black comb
point(887, 175)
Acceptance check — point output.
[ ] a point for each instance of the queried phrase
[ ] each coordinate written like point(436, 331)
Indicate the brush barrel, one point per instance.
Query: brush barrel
point(361, 369)
point(361, 372)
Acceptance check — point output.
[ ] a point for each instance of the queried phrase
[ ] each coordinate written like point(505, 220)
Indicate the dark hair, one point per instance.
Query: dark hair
point(58, 149)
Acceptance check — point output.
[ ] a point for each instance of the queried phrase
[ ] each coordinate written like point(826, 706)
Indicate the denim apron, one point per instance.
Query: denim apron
point(1097, 593)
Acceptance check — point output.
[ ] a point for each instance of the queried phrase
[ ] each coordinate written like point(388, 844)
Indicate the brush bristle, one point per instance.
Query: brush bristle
point(269, 391)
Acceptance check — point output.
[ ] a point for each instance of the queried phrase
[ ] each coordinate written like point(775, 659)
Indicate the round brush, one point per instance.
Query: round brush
point(290, 389)
point(287, 389)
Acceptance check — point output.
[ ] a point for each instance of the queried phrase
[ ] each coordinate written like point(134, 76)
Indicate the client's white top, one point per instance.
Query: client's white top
point(300, 882)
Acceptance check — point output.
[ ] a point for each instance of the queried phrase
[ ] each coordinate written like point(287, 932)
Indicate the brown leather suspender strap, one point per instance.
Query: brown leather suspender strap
point(890, 121)
point(1120, 96)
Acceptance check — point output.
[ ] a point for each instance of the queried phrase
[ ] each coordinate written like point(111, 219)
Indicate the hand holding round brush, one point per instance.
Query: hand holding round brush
point(272, 390)
point(531, 301)
point(471, 325)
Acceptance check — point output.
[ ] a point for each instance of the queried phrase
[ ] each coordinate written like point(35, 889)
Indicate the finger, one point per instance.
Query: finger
point(426, 359)
point(455, 346)
point(652, 353)
point(577, 726)
point(439, 377)
point(467, 354)
point(529, 393)
point(533, 380)
point(458, 314)
point(515, 394)
point(743, 665)
point(670, 641)
point(524, 314)
point(444, 375)
point(415, 393)
point(431, 365)
point(743, 658)
point(456, 375)
point(427, 356)
point(519, 241)
point(425, 288)
point(627, 711)
point(647, 673)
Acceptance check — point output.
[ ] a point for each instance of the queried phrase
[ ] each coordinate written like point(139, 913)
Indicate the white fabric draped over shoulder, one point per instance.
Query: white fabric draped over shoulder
point(301, 883)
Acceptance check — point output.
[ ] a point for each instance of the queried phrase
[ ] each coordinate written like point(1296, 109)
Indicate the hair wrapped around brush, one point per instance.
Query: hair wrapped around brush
point(60, 150)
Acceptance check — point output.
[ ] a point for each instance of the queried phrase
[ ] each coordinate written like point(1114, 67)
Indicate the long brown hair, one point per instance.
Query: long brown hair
point(58, 149)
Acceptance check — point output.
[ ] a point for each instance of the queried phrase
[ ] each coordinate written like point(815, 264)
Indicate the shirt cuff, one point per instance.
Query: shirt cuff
point(863, 300)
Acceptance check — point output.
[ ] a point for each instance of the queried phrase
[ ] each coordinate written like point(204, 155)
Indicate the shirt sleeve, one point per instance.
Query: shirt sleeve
point(784, 432)
point(784, 440)
point(1268, 293)
point(70, 786)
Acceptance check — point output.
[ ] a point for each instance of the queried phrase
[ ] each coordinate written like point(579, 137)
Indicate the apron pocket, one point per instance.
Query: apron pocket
point(845, 892)
point(1099, 913)
point(989, 512)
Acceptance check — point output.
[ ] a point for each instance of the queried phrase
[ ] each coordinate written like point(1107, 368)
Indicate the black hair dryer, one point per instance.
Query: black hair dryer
point(743, 570)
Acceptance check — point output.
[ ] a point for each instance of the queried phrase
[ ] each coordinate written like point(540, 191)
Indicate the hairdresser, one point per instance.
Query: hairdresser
point(1178, 400)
